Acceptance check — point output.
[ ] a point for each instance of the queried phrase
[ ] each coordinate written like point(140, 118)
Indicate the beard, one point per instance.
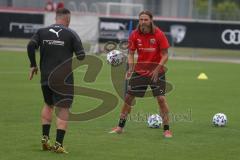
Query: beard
point(145, 28)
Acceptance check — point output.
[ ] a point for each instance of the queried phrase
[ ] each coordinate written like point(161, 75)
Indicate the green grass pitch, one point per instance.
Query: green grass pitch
point(192, 102)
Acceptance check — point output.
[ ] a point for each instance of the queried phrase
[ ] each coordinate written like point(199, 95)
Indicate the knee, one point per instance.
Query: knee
point(46, 117)
point(47, 111)
point(128, 99)
point(62, 113)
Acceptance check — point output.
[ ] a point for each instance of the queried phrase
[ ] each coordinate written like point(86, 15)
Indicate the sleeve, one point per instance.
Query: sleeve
point(78, 47)
point(163, 41)
point(31, 47)
point(132, 42)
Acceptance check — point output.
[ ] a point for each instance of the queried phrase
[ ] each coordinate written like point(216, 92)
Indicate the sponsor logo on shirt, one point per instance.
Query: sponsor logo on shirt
point(139, 42)
point(53, 42)
point(147, 49)
point(55, 32)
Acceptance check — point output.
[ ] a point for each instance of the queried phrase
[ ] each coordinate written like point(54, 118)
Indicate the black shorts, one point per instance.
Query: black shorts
point(53, 98)
point(138, 85)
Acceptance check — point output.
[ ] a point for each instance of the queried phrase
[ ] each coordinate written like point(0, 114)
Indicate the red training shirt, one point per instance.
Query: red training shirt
point(149, 48)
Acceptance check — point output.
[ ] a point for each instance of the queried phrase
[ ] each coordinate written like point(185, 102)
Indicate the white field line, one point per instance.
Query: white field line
point(223, 60)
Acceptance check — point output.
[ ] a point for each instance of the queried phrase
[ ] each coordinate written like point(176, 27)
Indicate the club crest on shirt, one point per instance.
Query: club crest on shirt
point(152, 41)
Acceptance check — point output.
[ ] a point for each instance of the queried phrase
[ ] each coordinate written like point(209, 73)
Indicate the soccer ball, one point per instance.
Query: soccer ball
point(219, 120)
point(115, 57)
point(154, 121)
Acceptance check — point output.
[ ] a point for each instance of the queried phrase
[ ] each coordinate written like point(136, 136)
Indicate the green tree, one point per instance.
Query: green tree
point(201, 7)
point(227, 10)
point(221, 9)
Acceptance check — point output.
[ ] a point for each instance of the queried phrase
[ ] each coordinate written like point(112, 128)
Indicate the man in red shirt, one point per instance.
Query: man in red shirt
point(152, 48)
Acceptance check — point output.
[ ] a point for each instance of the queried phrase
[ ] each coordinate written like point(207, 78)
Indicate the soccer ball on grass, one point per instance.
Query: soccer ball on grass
point(154, 121)
point(219, 120)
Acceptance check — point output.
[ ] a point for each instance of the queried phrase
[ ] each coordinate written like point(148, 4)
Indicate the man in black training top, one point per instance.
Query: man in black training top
point(57, 44)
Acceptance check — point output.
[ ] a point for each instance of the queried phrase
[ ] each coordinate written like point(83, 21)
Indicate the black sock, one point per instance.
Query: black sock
point(60, 136)
point(122, 122)
point(166, 127)
point(45, 129)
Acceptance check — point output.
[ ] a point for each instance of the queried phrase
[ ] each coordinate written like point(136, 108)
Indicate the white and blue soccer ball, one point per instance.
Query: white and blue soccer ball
point(115, 57)
point(154, 121)
point(219, 120)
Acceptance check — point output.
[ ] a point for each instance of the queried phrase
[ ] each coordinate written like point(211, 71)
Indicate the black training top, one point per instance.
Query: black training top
point(57, 44)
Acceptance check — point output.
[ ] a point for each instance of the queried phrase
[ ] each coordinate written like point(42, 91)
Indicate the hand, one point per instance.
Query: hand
point(128, 74)
point(33, 70)
point(155, 73)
